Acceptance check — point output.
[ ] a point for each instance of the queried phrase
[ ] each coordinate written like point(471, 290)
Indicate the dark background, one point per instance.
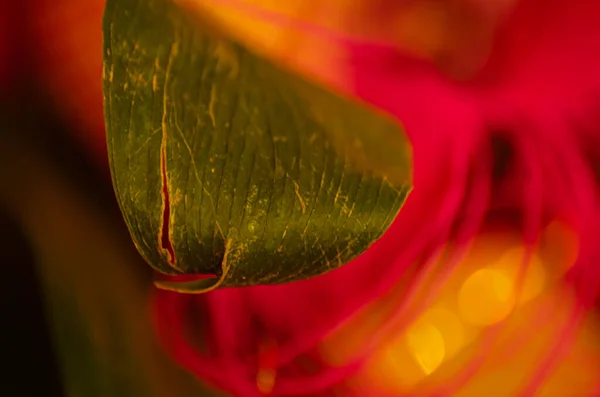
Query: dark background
point(30, 365)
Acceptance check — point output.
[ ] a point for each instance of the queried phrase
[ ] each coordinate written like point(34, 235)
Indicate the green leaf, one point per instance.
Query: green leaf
point(227, 165)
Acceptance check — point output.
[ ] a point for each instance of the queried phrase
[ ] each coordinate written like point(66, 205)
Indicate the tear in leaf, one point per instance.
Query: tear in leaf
point(224, 164)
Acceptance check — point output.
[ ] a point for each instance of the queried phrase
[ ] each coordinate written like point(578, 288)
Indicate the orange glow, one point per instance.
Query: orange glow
point(265, 380)
point(457, 36)
point(492, 286)
point(426, 344)
point(267, 362)
point(486, 297)
point(309, 55)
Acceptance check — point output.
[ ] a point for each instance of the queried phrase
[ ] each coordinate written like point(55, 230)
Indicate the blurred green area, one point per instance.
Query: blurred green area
point(75, 304)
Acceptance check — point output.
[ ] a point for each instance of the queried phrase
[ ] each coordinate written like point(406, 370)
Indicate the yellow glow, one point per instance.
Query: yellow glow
point(480, 293)
point(511, 263)
point(453, 331)
point(426, 344)
point(393, 368)
point(486, 297)
point(309, 55)
point(405, 361)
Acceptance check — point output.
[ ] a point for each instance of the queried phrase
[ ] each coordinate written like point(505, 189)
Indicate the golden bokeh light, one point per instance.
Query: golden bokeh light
point(486, 297)
point(426, 344)
point(498, 282)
